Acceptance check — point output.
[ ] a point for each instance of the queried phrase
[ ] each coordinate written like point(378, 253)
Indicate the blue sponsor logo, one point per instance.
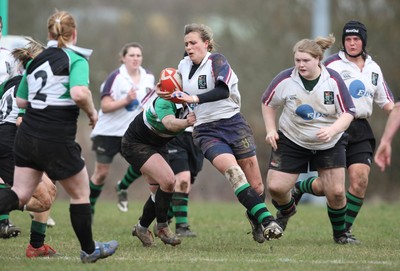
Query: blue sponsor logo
point(357, 90)
point(306, 112)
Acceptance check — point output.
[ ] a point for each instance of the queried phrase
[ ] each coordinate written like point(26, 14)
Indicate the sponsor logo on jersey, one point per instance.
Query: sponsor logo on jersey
point(329, 97)
point(202, 81)
point(374, 78)
point(306, 112)
point(346, 75)
point(357, 90)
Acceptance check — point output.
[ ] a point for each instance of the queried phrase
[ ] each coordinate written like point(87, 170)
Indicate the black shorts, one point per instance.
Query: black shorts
point(292, 158)
point(59, 160)
point(7, 132)
point(137, 153)
point(361, 146)
point(139, 143)
point(106, 147)
point(184, 155)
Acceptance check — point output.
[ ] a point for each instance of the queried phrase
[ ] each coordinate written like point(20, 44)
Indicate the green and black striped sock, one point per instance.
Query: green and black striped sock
point(95, 191)
point(128, 179)
point(354, 204)
point(337, 218)
point(180, 207)
point(305, 186)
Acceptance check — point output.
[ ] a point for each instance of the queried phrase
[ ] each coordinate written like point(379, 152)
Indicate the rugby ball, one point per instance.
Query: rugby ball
point(170, 80)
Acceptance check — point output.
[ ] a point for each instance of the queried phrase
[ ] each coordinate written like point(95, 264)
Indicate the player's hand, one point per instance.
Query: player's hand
point(271, 139)
point(383, 156)
point(191, 118)
point(131, 95)
point(325, 134)
point(184, 97)
point(93, 117)
point(162, 94)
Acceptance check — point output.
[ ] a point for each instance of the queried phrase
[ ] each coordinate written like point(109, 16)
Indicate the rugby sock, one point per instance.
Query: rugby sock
point(149, 213)
point(180, 207)
point(170, 212)
point(253, 203)
point(286, 208)
point(38, 233)
point(8, 201)
point(305, 186)
point(163, 200)
point(337, 218)
point(4, 186)
point(4, 218)
point(95, 191)
point(354, 204)
point(250, 216)
point(81, 220)
point(129, 178)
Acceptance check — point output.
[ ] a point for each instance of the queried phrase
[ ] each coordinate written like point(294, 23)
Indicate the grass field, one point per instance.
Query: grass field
point(222, 242)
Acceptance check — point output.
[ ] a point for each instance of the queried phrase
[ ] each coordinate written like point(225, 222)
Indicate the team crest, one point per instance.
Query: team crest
point(202, 82)
point(329, 97)
point(374, 78)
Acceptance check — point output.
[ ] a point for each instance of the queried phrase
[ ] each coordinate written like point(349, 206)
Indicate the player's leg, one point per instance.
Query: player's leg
point(186, 160)
point(37, 247)
point(141, 229)
point(226, 163)
point(165, 177)
point(334, 189)
point(97, 182)
point(279, 185)
point(43, 197)
point(251, 170)
point(311, 185)
point(122, 188)
point(359, 157)
point(105, 147)
point(180, 204)
point(77, 187)
point(331, 169)
point(7, 229)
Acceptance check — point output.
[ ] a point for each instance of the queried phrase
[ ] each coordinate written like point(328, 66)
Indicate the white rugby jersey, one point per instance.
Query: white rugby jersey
point(8, 104)
point(214, 67)
point(117, 86)
point(306, 112)
point(8, 67)
point(365, 87)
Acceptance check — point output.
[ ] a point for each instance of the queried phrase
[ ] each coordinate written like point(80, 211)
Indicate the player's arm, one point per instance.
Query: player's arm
point(174, 124)
point(221, 91)
point(269, 116)
point(83, 99)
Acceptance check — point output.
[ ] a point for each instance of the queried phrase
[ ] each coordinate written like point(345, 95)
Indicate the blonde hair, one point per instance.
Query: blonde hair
point(205, 32)
point(61, 26)
point(30, 51)
point(316, 48)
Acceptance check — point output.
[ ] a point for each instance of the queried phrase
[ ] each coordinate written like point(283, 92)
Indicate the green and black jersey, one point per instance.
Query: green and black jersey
point(51, 113)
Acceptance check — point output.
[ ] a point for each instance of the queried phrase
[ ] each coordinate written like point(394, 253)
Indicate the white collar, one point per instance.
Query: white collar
point(86, 53)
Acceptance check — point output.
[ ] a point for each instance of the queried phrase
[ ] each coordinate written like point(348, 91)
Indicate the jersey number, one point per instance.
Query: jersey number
point(40, 96)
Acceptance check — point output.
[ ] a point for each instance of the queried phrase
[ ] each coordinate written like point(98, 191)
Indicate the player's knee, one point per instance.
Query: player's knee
point(36, 205)
point(236, 177)
point(183, 186)
point(52, 189)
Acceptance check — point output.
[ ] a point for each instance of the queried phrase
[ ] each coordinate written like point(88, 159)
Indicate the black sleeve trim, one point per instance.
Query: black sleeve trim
point(221, 91)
